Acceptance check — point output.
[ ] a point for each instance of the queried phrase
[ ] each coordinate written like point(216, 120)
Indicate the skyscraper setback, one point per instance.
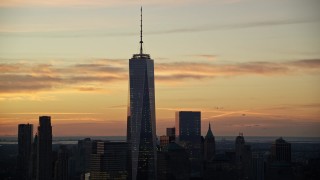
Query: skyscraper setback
point(44, 156)
point(141, 133)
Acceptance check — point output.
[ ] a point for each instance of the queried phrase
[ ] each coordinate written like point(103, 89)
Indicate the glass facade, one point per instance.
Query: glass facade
point(141, 133)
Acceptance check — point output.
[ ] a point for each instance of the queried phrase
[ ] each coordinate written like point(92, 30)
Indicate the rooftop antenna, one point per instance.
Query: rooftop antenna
point(141, 42)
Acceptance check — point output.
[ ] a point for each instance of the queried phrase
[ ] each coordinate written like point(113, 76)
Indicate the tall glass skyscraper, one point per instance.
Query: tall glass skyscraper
point(141, 132)
point(25, 141)
point(44, 156)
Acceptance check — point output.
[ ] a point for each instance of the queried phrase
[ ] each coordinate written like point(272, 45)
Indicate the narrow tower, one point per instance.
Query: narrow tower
point(44, 156)
point(209, 145)
point(25, 141)
point(141, 132)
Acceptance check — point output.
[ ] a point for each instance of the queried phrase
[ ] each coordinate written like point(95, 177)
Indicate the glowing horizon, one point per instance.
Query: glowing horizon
point(246, 69)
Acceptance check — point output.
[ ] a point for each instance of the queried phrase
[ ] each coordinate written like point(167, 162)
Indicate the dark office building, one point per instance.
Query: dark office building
point(173, 163)
point(257, 166)
point(279, 167)
point(44, 156)
point(109, 160)
point(84, 152)
point(96, 160)
point(116, 160)
point(281, 151)
point(34, 157)
point(97, 170)
point(141, 132)
point(243, 157)
point(188, 129)
point(240, 148)
point(188, 126)
point(209, 145)
point(221, 167)
point(171, 133)
point(62, 164)
point(25, 143)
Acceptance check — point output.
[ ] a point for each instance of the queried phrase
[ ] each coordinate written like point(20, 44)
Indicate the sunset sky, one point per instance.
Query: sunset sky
point(250, 66)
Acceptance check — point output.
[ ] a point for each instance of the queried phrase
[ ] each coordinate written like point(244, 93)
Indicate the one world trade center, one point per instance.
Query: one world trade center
point(141, 119)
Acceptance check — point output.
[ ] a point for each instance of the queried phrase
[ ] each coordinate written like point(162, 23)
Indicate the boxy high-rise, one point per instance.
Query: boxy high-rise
point(25, 141)
point(44, 156)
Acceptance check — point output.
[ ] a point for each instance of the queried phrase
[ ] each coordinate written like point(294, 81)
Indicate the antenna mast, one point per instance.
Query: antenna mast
point(141, 42)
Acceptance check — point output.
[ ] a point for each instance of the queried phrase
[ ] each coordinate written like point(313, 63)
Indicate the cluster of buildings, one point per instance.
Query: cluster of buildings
point(180, 154)
point(35, 153)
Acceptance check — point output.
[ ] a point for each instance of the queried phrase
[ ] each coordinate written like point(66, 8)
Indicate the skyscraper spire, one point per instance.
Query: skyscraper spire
point(141, 55)
point(209, 145)
point(209, 133)
point(141, 42)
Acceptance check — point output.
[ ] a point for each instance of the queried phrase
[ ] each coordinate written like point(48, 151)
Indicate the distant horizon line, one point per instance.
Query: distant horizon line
point(89, 136)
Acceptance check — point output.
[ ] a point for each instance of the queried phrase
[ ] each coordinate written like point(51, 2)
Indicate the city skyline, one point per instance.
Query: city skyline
point(254, 73)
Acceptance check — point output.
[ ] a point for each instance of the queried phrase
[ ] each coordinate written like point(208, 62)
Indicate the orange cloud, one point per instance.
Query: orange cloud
point(88, 89)
point(205, 56)
point(22, 78)
point(185, 70)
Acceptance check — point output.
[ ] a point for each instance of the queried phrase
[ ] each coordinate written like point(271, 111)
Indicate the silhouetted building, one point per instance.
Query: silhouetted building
point(188, 129)
point(257, 166)
point(188, 126)
point(83, 155)
point(209, 145)
point(44, 157)
point(239, 147)
point(279, 171)
point(279, 166)
point(25, 143)
point(62, 164)
point(243, 157)
point(116, 160)
point(281, 150)
point(173, 163)
point(141, 123)
point(164, 141)
point(34, 157)
point(171, 132)
point(97, 161)
point(72, 163)
point(221, 167)
point(109, 160)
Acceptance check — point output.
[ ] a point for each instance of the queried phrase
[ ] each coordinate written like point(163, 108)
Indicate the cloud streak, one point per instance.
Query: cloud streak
point(245, 25)
point(184, 70)
point(98, 3)
point(24, 78)
point(103, 33)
